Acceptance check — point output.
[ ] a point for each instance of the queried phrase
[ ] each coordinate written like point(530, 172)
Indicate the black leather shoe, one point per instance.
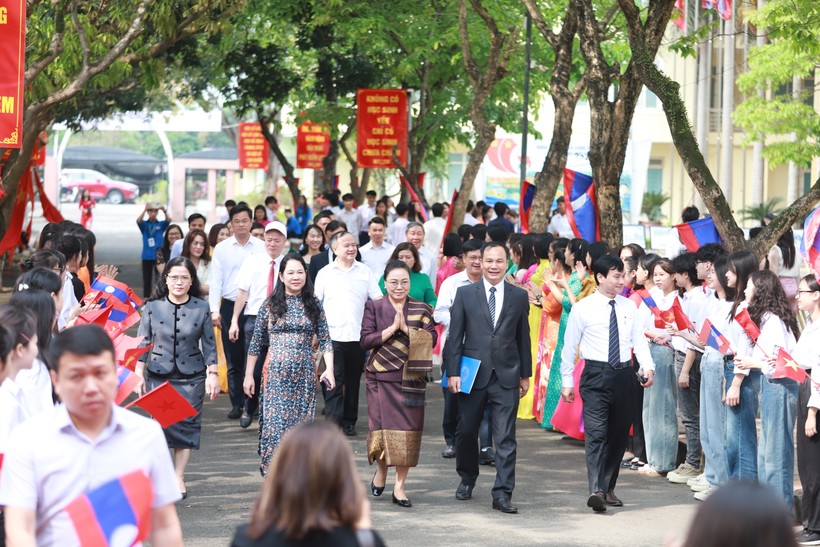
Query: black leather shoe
point(402, 503)
point(504, 505)
point(376, 490)
point(612, 500)
point(245, 420)
point(464, 491)
point(448, 452)
point(596, 502)
point(486, 456)
point(349, 430)
point(235, 413)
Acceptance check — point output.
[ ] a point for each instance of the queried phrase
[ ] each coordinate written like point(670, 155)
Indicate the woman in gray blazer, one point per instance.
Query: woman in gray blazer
point(176, 321)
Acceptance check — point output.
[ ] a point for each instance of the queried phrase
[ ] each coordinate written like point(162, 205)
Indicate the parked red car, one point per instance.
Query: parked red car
point(101, 187)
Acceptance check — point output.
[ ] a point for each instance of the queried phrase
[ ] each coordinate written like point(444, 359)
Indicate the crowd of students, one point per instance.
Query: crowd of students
point(260, 305)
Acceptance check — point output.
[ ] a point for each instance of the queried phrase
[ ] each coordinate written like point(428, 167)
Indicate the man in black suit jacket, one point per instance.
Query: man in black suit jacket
point(488, 322)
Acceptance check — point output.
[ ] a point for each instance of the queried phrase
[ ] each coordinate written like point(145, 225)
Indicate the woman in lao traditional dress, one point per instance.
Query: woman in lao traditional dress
point(400, 334)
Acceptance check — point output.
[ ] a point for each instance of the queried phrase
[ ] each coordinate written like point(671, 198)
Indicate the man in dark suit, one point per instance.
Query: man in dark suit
point(488, 322)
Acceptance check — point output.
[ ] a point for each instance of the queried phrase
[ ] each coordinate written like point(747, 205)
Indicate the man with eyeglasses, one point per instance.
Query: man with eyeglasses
point(228, 257)
point(447, 294)
point(343, 287)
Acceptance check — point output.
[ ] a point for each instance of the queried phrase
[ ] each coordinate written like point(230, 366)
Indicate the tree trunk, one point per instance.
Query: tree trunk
point(485, 135)
point(287, 167)
point(668, 92)
point(329, 166)
point(727, 148)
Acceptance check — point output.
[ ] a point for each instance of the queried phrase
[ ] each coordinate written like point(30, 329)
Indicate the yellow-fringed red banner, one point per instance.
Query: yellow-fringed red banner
point(13, 62)
point(254, 149)
point(381, 127)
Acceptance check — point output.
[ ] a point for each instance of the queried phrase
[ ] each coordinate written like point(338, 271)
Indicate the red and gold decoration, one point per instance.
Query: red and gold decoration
point(312, 145)
point(12, 81)
point(254, 150)
point(381, 128)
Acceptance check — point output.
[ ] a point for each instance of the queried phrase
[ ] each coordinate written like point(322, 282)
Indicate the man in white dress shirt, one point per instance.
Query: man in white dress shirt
point(366, 211)
point(559, 223)
point(429, 260)
point(63, 453)
point(434, 229)
point(377, 251)
point(350, 216)
point(343, 287)
point(257, 280)
point(607, 327)
point(397, 229)
point(226, 262)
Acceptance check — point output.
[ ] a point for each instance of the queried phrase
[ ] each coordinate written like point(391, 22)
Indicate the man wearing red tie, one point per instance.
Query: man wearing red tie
point(257, 279)
point(606, 326)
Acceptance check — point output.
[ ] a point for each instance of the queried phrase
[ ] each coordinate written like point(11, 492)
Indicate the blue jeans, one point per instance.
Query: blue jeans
point(712, 417)
point(775, 458)
point(741, 429)
point(660, 418)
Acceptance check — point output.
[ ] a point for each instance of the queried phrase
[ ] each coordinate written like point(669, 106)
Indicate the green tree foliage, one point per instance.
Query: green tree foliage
point(793, 50)
point(90, 58)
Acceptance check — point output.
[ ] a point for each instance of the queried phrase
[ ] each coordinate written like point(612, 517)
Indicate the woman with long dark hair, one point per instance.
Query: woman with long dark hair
point(313, 242)
point(36, 381)
point(742, 386)
point(172, 234)
point(286, 325)
point(197, 249)
point(176, 321)
point(772, 313)
point(782, 260)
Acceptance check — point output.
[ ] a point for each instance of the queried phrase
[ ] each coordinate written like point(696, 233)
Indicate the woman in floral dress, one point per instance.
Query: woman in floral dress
point(286, 323)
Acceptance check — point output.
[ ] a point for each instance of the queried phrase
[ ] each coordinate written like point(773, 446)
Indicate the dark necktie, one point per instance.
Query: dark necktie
point(491, 305)
point(614, 346)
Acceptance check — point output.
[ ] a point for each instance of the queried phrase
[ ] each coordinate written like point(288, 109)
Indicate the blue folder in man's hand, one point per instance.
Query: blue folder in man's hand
point(469, 370)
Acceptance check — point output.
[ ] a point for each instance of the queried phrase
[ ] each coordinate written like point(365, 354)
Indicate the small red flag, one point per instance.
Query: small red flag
point(744, 320)
point(132, 356)
point(681, 320)
point(785, 367)
point(123, 343)
point(166, 405)
point(95, 317)
point(127, 381)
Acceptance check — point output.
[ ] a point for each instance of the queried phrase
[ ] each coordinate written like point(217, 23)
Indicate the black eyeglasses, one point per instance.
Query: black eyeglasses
point(805, 292)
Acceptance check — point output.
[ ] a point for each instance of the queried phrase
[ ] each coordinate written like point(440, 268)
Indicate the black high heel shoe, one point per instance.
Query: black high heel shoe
point(376, 490)
point(402, 503)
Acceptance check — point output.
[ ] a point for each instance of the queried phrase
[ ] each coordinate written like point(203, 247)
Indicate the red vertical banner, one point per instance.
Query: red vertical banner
point(312, 145)
point(13, 61)
point(254, 149)
point(38, 157)
point(381, 127)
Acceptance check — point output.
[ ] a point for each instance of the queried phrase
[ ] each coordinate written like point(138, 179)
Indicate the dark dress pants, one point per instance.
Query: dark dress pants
point(638, 443)
point(252, 404)
point(148, 267)
point(449, 422)
point(608, 399)
point(342, 403)
point(808, 462)
point(503, 404)
point(234, 353)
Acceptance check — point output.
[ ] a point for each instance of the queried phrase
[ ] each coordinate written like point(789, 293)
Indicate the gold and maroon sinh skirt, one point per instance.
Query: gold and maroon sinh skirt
point(395, 420)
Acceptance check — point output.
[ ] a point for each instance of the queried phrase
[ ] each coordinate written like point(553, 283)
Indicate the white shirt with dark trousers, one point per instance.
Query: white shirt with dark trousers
point(606, 389)
point(49, 463)
point(226, 262)
point(343, 293)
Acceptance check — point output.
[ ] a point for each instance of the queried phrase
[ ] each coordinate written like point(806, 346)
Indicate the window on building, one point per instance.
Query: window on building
point(654, 177)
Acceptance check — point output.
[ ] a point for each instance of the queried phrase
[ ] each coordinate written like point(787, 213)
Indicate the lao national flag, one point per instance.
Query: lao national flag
point(117, 513)
point(527, 196)
point(682, 322)
point(712, 337)
point(698, 233)
point(810, 244)
point(744, 320)
point(120, 291)
point(126, 382)
point(581, 205)
point(785, 367)
point(724, 8)
point(165, 405)
point(650, 302)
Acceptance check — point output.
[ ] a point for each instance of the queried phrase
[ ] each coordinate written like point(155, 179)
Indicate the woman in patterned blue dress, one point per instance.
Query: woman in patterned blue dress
point(287, 323)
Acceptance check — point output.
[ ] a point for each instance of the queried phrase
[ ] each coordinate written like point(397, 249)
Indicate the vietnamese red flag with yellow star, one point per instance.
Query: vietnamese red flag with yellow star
point(165, 405)
point(786, 367)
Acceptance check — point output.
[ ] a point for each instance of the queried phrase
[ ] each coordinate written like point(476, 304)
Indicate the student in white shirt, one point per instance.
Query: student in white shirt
point(227, 260)
point(257, 279)
point(377, 251)
point(608, 328)
point(398, 227)
point(35, 380)
point(770, 310)
point(343, 287)
point(88, 441)
point(366, 211)
point(350, 216)
point(434, 229)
